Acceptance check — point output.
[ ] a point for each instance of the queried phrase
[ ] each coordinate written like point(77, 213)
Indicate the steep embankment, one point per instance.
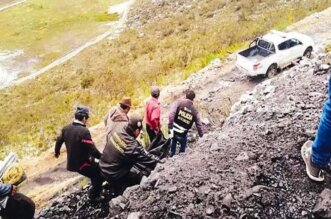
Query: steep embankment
point(217, 86)
point(249, 168)
point(166, 41)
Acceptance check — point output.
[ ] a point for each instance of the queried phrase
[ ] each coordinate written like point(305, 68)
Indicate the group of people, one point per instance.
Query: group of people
point(123, 151)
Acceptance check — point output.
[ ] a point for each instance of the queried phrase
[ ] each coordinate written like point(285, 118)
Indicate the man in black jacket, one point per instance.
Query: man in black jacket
point(81, 151)
point(15, 205)
point(181, 118)
point(122, 152)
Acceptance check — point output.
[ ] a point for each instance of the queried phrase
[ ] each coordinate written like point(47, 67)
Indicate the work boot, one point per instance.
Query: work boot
point(313, 172)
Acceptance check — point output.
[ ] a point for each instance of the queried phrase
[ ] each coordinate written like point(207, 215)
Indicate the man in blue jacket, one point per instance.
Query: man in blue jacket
point(317, 154)
point(15, 205)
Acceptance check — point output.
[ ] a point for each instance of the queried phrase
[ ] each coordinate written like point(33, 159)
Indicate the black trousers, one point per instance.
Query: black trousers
point(18, 207)
point(150, 132)
point(93, 172)
point(130, 179)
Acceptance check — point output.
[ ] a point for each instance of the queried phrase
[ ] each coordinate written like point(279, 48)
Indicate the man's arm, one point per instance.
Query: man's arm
point(155, 118)
point(137, 154)
point(199, 124)
point(105, 119)
point(88, 142)
point(5, 189)
point(108, 116)
point(58, 144)
point(172, 115)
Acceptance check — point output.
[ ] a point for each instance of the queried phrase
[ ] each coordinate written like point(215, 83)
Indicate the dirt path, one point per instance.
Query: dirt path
point(12, 4)
point(317, 26)
point(218, 86)
point(115, 29)
point(249, 168)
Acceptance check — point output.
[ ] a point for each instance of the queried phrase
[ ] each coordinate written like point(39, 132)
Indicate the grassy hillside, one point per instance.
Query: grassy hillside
point(167, 41)
point(45, 29)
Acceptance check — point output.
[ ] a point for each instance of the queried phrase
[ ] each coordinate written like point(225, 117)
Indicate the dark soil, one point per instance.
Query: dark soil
point(249, 168)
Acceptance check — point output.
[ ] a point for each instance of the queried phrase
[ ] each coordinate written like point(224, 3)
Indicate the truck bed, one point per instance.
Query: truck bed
point(255, 53)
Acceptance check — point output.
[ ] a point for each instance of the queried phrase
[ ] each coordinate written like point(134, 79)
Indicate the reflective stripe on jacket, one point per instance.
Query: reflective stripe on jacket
point(79, 144)
point(182, 116)
point(122, 152)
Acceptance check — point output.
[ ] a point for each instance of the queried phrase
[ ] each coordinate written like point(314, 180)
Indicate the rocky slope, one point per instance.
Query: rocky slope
point(249, 168)
point(218, 87)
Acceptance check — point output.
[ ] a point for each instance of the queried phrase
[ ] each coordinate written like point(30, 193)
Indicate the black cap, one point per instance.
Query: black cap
point(135, 122)
point(82, 110)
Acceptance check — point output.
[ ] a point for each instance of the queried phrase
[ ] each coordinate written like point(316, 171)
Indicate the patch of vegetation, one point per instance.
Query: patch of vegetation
point(46, 29)
point(102, 17)
point(166, 42)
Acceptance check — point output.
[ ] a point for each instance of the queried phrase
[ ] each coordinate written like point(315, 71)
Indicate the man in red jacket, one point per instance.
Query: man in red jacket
point(152, 113)
point(81, 151)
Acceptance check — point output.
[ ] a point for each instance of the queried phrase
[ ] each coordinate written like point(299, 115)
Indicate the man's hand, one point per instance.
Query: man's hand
point(56, 155)
point(171, 133)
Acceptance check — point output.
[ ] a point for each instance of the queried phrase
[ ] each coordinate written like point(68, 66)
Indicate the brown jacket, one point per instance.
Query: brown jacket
point(114, 115)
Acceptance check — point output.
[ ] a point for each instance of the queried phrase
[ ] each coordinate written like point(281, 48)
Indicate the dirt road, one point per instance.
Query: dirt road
point(10, 4)
point(115, 29)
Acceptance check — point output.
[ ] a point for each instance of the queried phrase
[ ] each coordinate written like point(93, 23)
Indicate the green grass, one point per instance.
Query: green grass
point(46, 29)
point(328, 48)
point(202, 62)
point(163, 50)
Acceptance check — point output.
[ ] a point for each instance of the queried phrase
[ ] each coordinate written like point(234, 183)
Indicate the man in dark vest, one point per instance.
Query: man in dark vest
point(81, 151)
point(181, 118)
point(122, 152)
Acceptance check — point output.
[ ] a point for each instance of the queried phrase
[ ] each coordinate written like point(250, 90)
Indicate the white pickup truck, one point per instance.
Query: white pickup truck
point(273, 51)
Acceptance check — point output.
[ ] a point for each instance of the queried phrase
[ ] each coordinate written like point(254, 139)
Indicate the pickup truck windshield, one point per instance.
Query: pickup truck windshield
point(266, 45)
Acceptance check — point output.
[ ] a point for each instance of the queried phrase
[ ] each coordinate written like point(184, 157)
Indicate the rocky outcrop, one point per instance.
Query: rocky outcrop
point(251, 167)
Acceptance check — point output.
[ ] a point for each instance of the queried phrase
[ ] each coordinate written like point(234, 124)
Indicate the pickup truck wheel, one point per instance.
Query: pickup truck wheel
point(307, 52)
point(272, 71)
